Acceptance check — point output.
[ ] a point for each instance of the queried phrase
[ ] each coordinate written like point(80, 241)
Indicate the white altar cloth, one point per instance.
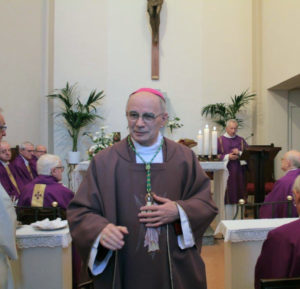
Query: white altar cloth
point(220, 182)
point(242, 246)
point(44, 259)
point(27, 237)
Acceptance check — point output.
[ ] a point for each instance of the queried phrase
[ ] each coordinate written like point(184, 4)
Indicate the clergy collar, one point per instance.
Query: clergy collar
point(4, 163)
point(148, 149)
point(228, 136)
point(25, 161)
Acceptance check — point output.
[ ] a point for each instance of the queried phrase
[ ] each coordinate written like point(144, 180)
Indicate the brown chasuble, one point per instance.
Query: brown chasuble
point(113, 191)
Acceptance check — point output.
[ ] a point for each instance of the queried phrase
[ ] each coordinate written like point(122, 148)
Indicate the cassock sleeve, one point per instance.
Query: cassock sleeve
point(196, 199)
point(274, 259)
point(85, 214)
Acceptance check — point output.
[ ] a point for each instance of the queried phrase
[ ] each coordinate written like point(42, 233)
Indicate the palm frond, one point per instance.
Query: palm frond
point(221, 112)
point(75, 113)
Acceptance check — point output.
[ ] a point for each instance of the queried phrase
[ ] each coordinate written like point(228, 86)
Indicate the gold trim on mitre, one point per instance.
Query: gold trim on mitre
point(38, 195)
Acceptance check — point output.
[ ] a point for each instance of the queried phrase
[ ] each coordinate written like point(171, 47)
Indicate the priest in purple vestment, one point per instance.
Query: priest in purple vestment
point(21, 164)
point(8, 178)
point(46, 189)
point(280, 253)
point(139, 215)
point(290, 163)
point(230, 147)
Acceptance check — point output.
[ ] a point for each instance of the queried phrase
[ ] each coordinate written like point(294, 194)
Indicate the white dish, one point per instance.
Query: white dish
point(47, 225)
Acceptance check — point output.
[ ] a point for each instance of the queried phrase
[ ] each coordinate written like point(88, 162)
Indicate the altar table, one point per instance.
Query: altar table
point(44, 259)
point(243, 240)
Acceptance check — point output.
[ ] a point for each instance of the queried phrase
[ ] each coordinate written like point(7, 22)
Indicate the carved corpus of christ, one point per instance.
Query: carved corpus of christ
point(154, 8)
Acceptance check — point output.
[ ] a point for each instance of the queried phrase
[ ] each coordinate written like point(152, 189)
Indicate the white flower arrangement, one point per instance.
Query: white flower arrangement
point(101, 141)
point(173, 123)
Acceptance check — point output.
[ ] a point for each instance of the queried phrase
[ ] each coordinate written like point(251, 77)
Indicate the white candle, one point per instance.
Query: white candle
point(200, 142)
point(214, 142)
point(206, 140)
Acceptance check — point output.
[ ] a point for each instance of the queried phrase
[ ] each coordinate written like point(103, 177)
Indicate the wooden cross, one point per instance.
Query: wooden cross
point(154, 8)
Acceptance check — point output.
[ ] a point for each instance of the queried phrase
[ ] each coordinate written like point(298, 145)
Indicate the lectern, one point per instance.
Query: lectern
point(260, 160)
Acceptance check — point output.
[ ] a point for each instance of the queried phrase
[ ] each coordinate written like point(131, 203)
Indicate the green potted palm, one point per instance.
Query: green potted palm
point(221, 112)
point(76, 114)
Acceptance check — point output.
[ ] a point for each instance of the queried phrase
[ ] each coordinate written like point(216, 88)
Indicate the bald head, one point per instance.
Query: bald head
point(290, 160)
point(40, 150)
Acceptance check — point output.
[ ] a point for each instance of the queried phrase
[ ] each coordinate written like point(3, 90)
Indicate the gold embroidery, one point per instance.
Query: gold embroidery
point(12, 179)
point(38, 195)
point(29, 171)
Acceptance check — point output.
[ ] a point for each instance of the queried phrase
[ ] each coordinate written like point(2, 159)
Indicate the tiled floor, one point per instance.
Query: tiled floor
point(213, 257)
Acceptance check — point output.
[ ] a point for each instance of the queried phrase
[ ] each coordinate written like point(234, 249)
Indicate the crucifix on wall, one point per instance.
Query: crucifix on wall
point(154, 8)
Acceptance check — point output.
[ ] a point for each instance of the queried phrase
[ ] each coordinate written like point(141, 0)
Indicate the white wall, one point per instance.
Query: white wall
point(205, 55)
point(22, 70)
point(209, 50)
point(280, 61)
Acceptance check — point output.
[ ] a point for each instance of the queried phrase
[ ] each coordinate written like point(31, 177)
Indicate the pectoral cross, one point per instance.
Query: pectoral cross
point(154, 8)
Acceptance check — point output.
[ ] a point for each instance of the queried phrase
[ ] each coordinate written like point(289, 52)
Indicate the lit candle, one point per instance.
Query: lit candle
point(214, 142)
point(200, 142)
point(206, 140)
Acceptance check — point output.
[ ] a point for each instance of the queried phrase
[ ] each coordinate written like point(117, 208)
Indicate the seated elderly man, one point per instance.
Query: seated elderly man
point(21, 164)
point(280, 254)
point(8, 178)
point(290, 163)
point(46, 189)
point(38, 152)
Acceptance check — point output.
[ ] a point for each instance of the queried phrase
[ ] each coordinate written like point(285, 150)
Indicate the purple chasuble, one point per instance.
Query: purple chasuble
point(19, 166)
point(282, 188)
point(236, 184)
point(54, 192)
point(280, 254)
point(7, 183)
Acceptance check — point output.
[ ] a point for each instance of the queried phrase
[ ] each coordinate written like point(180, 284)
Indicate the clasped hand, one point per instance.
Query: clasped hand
point(164, 212)
point(112, 236)
point(234, 155)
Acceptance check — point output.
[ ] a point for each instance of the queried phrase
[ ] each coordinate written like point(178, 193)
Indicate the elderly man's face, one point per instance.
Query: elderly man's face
point(57, 172)
point(27, 153)
point(145, 117)
point(231, 128)
point(285, 163)
point(39, 151)
point(2, 127)
point(5, 152)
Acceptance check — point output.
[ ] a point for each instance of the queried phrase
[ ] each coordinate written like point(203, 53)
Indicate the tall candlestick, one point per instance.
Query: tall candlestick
point(206, 140)
point(214, 142)
point(200, 142)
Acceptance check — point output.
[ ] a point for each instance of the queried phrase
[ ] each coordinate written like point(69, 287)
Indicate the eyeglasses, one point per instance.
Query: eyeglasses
point(3, 127)
point(147, 117)
point(61, 167)
point(29, 151)
point(42, 152)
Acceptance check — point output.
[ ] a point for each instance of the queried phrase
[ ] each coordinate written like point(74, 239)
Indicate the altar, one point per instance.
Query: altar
point(219, 170)
point(243, 240)
point(44, 259)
